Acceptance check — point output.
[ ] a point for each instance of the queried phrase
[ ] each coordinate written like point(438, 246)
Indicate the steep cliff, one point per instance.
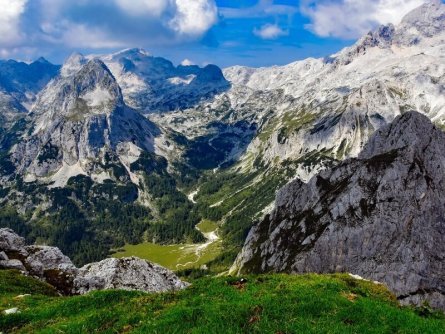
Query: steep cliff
point(381, 216)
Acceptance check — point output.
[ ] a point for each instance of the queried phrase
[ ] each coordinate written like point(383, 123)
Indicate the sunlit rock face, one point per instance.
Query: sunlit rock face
point(381, 216)
point(78, 119)
point(49, 264)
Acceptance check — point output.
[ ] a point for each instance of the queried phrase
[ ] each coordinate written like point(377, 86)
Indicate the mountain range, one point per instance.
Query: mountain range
point(123, 148)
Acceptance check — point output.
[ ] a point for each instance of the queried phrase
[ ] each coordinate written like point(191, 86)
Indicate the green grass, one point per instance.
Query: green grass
point(176, 257)
point(207, 226)
point(265, 304)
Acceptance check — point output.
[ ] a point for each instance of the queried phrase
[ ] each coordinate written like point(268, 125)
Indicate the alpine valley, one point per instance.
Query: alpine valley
point(111, 152)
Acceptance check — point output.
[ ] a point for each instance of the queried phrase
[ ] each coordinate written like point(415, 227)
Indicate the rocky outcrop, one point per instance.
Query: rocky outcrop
point(380, 216)
point(127, 274)
point(52, 266)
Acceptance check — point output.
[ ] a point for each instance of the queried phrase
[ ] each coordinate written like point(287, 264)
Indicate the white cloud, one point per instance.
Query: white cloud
point(194, 17)
point(352, 18)
point(54, 25)
point(10, 13)
point(83, 36)
point(270, 31)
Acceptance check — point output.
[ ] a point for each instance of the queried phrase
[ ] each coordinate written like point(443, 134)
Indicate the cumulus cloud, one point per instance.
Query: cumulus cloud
point(350, 19)
point(270, 31)
point(193, 17)
point(10, 14)
point(98, 24)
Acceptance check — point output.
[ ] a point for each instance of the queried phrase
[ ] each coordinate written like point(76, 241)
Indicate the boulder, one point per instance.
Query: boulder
point(49, 264)
point(128, 274)
point(12, 264)
point(45, 258)
point(11, 243)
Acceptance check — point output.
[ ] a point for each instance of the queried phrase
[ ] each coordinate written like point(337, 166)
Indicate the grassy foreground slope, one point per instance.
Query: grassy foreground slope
point(264, 304)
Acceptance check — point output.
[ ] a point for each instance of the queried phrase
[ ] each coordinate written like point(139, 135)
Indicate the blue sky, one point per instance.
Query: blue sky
point(224, 32)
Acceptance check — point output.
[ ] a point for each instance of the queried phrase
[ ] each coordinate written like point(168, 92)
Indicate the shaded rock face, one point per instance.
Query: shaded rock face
point(381, 216)
point(128, 274)
point(52, 266)
point(43, 262)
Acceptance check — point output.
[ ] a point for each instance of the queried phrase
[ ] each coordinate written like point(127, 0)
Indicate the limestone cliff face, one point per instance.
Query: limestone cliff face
point(78, 118)
point(381, 216)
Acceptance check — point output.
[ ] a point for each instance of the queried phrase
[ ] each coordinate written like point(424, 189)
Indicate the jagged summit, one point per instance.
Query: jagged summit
point(153, 84)
point(73, 63)
point(411, 130)
point(428, 19)
point(42, 60)
point(424, 22)
point(379, 216)
point(89, 89)
point(79, 117)
point(130, 52)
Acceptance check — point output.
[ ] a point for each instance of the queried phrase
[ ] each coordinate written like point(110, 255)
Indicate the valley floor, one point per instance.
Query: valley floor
point(182, 256)
point(260, 304)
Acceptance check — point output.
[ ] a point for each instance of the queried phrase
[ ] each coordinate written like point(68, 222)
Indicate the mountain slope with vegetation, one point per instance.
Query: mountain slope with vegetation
point(255, 304)
point(231, 138)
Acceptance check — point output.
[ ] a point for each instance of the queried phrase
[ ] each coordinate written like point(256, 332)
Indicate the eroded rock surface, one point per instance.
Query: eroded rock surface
point(128, 274)
point(52, 266)
point(381, 216)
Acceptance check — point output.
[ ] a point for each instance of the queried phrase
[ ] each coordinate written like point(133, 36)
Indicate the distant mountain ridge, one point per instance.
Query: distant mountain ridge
point(153, 84)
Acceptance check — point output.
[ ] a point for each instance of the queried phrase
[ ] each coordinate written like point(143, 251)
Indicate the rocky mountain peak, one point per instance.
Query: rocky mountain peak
point(155, 84)
point(428, 19)
point(410, 130)
point(379, 216)
point(210, 73)
point(78, 116)
point(42, 60)
point(79, 92)
point(97, 86)
point(73, 63)
point(132, 53)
